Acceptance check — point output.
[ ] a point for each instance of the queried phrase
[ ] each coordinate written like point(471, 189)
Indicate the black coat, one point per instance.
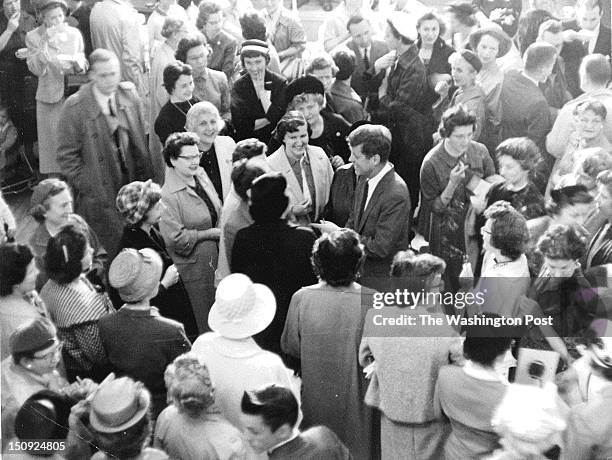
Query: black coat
point(173, 302)
point(171, 120)
point(438, 63)
point(341, 195)
point(246, 106)
point(278, 255)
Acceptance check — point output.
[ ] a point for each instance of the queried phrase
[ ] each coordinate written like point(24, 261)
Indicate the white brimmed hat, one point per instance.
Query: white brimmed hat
point(405, 25)
point(242, 308)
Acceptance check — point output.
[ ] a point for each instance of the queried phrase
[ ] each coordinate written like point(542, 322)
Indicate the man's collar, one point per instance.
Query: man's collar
point(101, 99)
point(373, 182)
point(535, 82)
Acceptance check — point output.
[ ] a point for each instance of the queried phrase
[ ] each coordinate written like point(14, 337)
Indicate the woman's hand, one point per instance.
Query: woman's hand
point(300, 209)
point(337, 161)
point(13, 22)
point(442, 88)
point(171, 277)
point(385, 61)
point(457, 174)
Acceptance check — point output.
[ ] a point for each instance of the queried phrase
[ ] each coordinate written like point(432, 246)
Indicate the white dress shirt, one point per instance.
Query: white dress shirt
point(373, 182)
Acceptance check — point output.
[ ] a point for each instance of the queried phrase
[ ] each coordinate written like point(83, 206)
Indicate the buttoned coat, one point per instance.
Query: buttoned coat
point(322, 174)
point(86, 154)
point(246, 106)
point(184, 216)
point(384, 226)
point(378, 49)
point(223, 53)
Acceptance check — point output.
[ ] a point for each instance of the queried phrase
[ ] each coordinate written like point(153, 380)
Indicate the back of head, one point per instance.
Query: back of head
point(337, 257)
point(268, 198)
point(243, 175)
point(415, 272)
point(345, 61)
point(563, 242)
point(568, 196)
point(485, 343)
point(253, 26)
point(509, 232)
point(248, 148)
point(14, 261)
point(373, 139)
point(538, 56)
point(463, 12)
point(596, 69)
point(529, 27)
point(64, 254)
point(275, 404)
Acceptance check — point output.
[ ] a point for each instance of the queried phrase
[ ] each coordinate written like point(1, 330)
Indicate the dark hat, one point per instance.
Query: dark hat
point(496, 32)
point(304, 85)
point(255, 45)
point(33, 336)
point(471, 57)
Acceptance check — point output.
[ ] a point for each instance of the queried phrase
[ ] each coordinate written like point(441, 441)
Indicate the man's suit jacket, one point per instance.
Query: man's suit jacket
point(114, 26)
point(384, 225)
point(86, 153)
point(340, 203)
point(223, 53)
point(246, 106)
point(316, 443)
point(322, 174)
point(379, 48)
point(224, 148)
point(600, 248)
point(603, 44)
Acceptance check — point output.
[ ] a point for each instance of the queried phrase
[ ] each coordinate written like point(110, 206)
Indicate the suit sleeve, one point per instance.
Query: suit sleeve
point(395, 209)
point(539, 125)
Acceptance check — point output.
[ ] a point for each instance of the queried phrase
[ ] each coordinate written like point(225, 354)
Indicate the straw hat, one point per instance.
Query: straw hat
point(242, 308)
point(119, 404)
point(135, 274)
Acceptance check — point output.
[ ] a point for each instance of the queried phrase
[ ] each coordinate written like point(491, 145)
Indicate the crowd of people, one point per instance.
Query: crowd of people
point(223, 204)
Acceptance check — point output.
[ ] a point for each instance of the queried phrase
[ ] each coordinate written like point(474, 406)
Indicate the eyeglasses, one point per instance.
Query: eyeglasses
point(191, 157)
point(56, 351)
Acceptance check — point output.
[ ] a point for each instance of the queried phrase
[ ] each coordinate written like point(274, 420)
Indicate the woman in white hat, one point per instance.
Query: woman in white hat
point(236, 363)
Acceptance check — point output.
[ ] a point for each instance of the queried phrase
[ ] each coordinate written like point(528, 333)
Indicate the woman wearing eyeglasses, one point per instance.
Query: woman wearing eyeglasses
point(189, 222)
point(35, 353)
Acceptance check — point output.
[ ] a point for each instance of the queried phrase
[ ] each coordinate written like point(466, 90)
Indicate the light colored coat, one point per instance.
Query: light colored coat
point(43, 59)
point(184, 216)
point(322, 173)
point(85, 146)
point(115, 27)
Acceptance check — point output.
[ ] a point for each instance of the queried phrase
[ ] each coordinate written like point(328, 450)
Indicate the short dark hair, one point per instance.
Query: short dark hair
point(65, 251)
point(483, 344)
point(321, 61)
point(355, 19)
point(509, 231)
point(243, 175)
point(276, 405)
point(592, 105)
point(337, 257)
point(14, 261)
point(253, 26)
point(567, 196)
point(529, 23)
point(413, 271)
point(268, 198)
point(552, 26)
point(464, 13)
point(454, 117)
point(521, 149)
point(289, 123)
point(374, 139)
point(345, 61)
point(248, 148)
point(205, 11)
point(175, 143)
point(539, 54)
point(38, 421)
point(172, 72)
point(565, 242)
point(431, 16)
point(597, 68)
point(188, 43)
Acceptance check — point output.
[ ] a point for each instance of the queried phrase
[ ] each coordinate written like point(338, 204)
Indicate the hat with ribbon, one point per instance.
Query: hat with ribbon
point(135, 273)
point(242, 308)
point(134, 200)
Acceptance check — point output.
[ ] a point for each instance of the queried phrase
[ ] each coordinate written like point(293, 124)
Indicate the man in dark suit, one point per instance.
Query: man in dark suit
point(381, 208)
point(258, 97)
point(525, 108)
point(367, 50)
point(270, 417)
point(595, 36)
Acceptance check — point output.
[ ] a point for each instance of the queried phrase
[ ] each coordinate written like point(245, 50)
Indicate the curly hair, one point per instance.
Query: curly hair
point(187, 43)
point(243, 175)
point(509, 231)
point(14, 261)
point(592, 105)
point(290, 123)
point(454, 117)
point(253, 26)
point(563, 242)
point(521, 149)
point(205, 11)
point(175, 143)
point(192, 389)
point(337, 257)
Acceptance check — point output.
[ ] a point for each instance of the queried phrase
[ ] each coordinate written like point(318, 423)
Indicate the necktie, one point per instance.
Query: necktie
point(110, 107)
point(364, 199)
point(366, 61)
